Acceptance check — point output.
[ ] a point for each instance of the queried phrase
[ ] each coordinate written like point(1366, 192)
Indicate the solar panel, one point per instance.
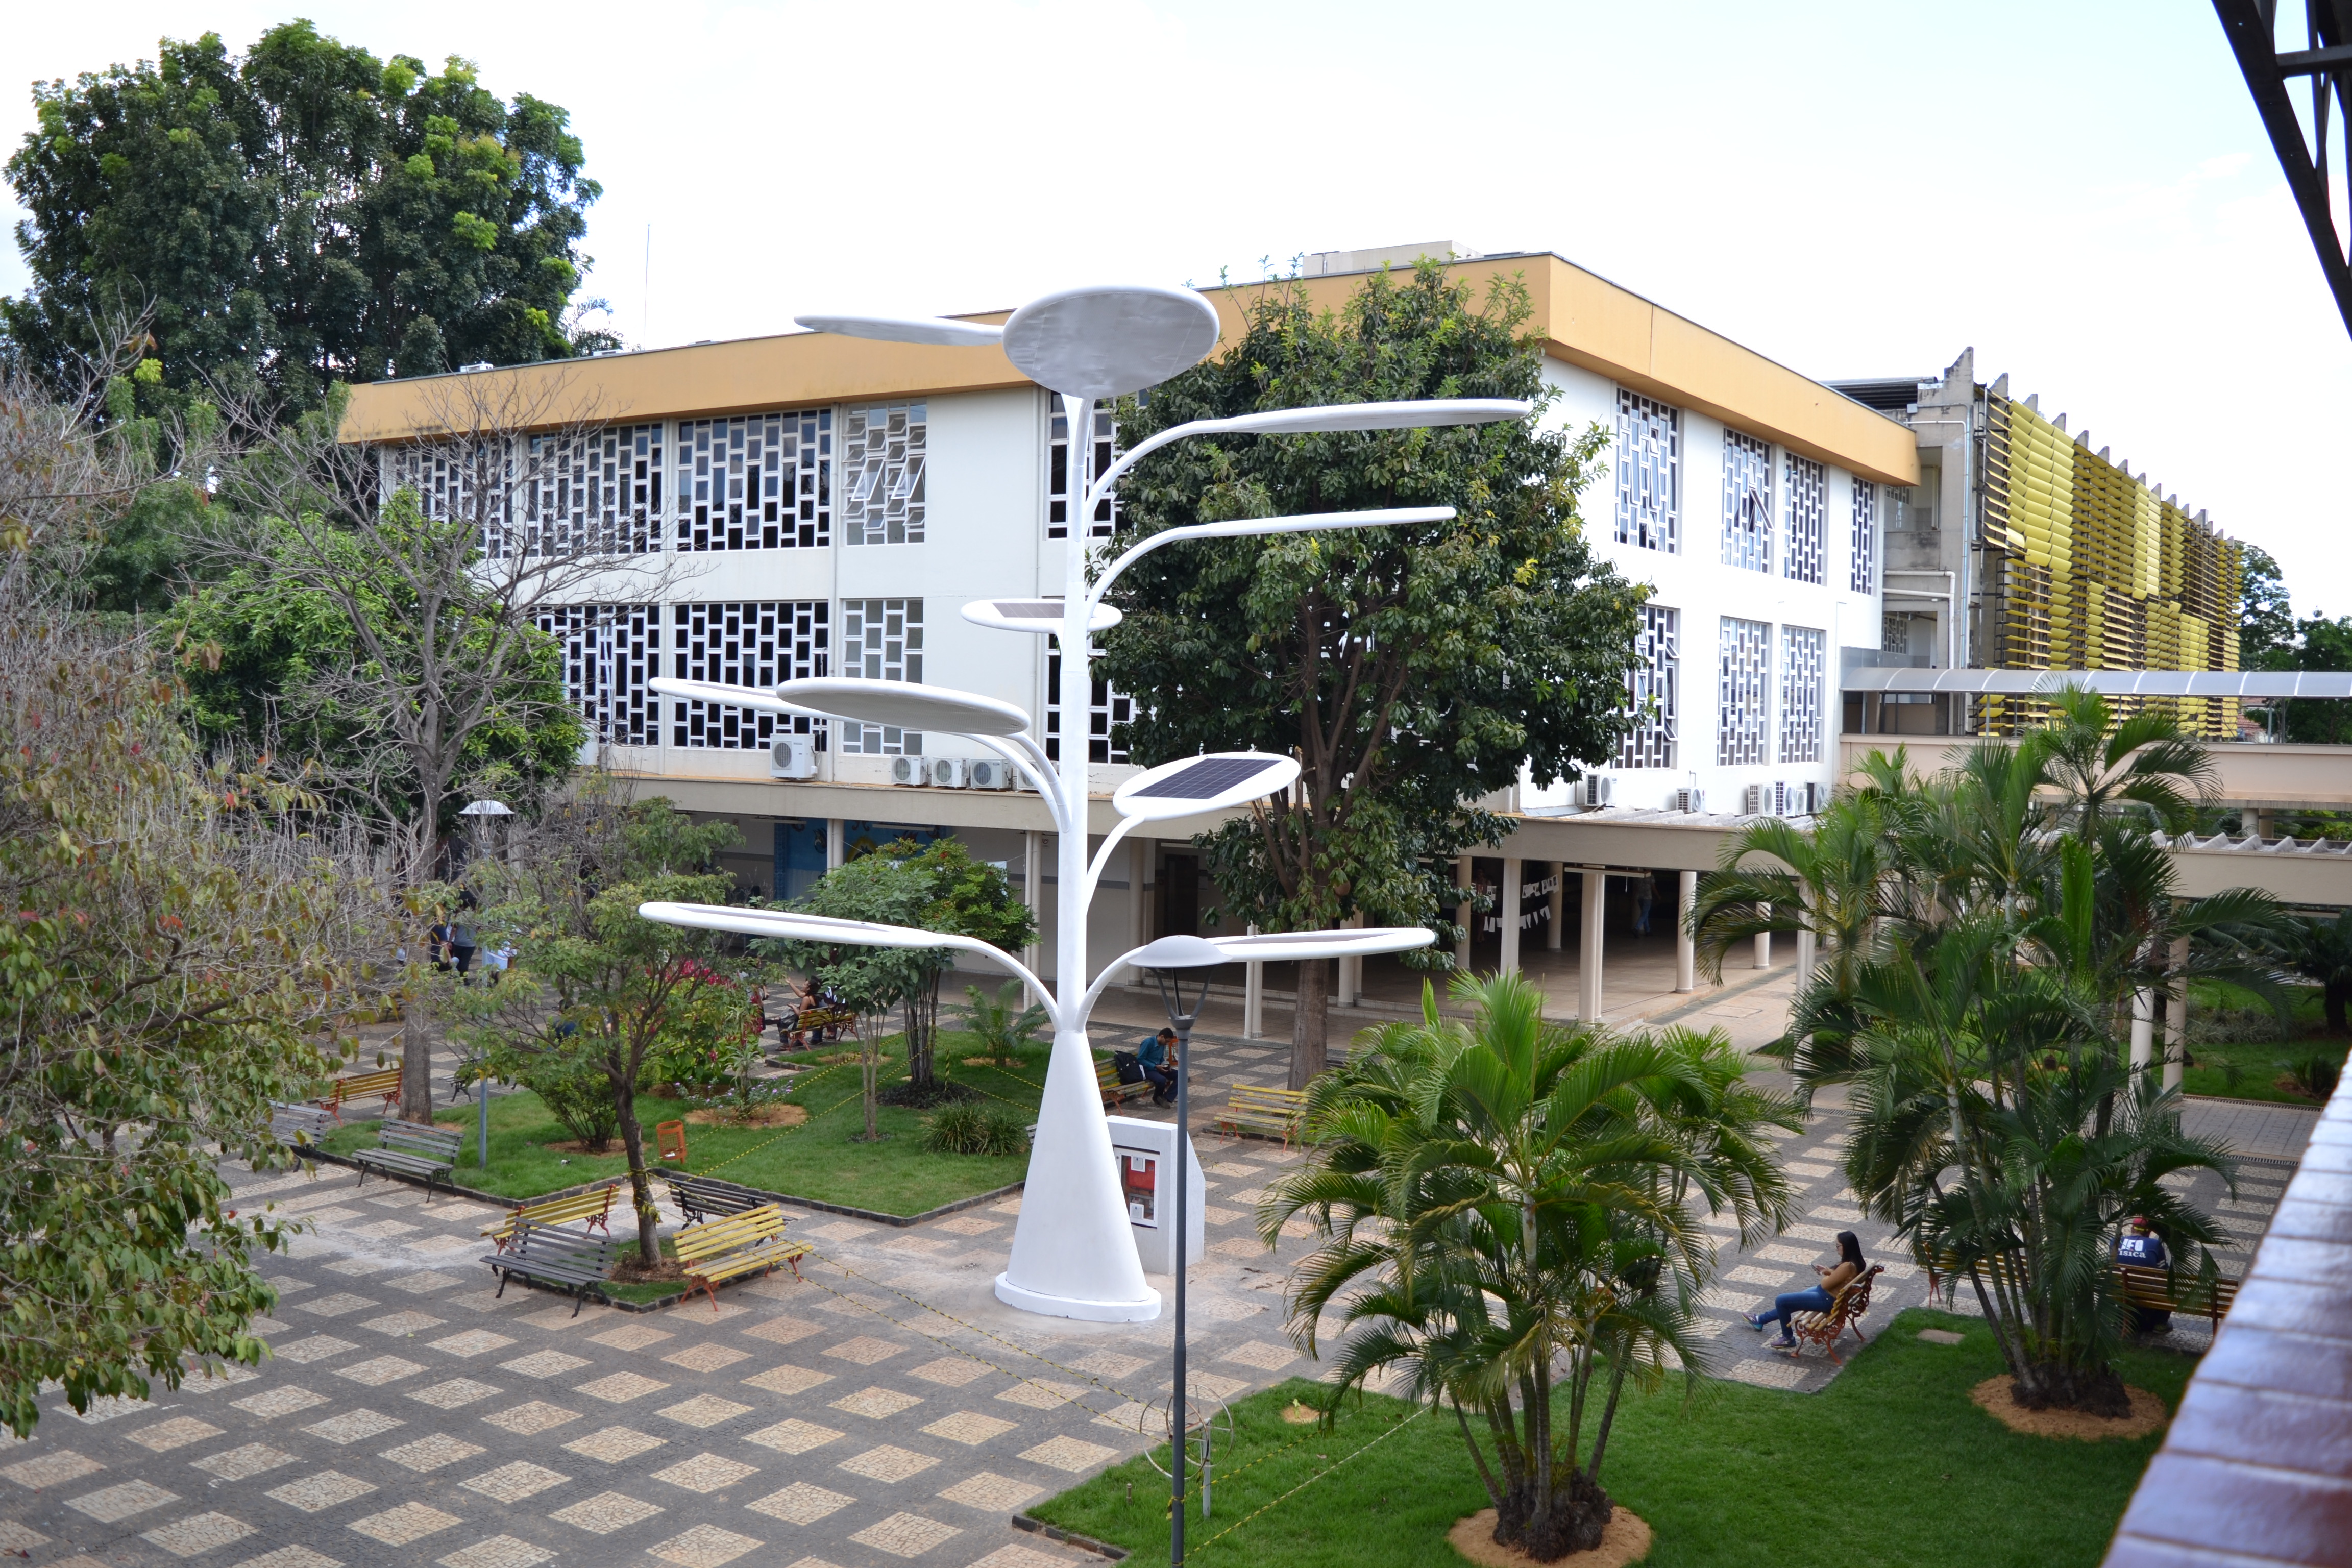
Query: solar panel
point(1029, 609)
point(1209, 777)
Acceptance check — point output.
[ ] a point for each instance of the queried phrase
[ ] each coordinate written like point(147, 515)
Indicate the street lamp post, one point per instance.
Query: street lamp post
point(1073, 1253)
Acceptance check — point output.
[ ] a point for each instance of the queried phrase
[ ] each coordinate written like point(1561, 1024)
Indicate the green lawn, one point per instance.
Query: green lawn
point(2257, 1062)
point(816, 1159)
point(1891, 1465)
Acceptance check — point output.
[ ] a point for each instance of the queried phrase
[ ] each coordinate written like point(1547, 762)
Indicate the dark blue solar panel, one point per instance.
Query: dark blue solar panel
point(1209, 777)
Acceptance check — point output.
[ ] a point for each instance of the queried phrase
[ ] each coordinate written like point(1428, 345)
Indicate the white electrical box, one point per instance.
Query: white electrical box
point(792, 757)
point(1145, 1152)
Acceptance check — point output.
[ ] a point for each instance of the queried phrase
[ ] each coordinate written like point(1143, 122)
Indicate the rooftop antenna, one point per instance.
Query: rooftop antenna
point(646, 314)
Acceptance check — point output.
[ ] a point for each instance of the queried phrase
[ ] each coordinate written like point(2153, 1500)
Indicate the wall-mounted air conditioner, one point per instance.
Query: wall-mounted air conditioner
point(1780, 806)
point(948, 773)
point(792, 757)
point(1754, 798)
point(1690, 800)
point(1595, 789)
point(907, 771)
point(1817, 798)
point(989, 773)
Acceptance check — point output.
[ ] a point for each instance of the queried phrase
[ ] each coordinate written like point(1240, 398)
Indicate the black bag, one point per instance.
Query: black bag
point(1128, 1065)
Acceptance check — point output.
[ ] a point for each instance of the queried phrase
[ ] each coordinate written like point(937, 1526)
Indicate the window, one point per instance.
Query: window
point(1746, 502)
point(881, 639)
point(1105, 708)
point(1802, 653)
point(1098, 455)
point(1743, 718)
point(1865, 537)
point(763, 481)
point(609, 652)
point(592, 494)
point(1808, 518)
point(882, 459)
point(1650, 690)
point(461, 482)
point(757, 644)
point(1649, 473)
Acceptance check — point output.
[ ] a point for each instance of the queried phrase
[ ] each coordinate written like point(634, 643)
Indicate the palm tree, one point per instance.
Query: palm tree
point(2322, 950)
point(1506, 1195)
point(2107, 767)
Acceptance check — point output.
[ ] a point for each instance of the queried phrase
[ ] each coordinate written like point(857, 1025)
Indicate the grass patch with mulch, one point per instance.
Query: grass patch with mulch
point(1892, 1463)
point(816, 1159)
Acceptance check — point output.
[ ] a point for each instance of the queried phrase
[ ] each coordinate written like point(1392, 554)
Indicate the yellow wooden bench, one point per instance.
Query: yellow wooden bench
point(384, 1081)
point(2155, 1291)
point(1268, 1112)
point(1115, 1093)
point(751, 1242)
point(594, 1206)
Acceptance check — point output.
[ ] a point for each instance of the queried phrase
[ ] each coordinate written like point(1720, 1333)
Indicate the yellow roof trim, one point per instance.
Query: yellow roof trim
point(1586, 320)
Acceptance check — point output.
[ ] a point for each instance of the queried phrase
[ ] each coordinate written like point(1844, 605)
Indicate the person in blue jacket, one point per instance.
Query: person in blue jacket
point(1157, 1054)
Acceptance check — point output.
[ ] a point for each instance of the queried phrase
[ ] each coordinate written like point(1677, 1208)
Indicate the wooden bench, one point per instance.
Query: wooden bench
point(1115, 1093)
point(411, 1149)
point(1266, 1112)
point(2160, 1291)
point(560, 1260)
point(299, 1124)
point(384, 1081)
point(593, 1206)
point(1825, 1329)
point(700, 1197)
point(751, 1242)
point(827, 1024)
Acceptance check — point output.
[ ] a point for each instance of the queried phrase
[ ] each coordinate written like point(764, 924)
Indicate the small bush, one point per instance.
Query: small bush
point(976, 1129)
point(2315, 1075)
point(580, 1096)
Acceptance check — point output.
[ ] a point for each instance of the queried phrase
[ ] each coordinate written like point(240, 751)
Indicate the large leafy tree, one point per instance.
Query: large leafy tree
point(1411, 671)
point(2265, 614)
point(299, 214)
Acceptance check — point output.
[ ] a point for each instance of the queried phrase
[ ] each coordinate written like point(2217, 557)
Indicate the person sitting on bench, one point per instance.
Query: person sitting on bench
point(1821, 1298)
point(1157, 1055)
point(2143, 1248)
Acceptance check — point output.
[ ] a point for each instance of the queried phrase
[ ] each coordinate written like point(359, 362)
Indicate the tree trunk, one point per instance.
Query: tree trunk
point(1310, 1022)
point(641, 1185)
point(922, 1036)
point(416, 1066)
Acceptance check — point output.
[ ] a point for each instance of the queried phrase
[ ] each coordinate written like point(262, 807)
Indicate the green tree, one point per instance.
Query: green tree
point(2265, 614)
point(1411, 669)
point(2320, 643)
point(593, 983)
point(1507, 1206)
point(2321, 951)
point(183, 947)
point(299, 214)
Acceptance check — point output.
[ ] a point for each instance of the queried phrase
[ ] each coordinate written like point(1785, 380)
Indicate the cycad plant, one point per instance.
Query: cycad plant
point(999, 1023)
point(2000, 933)
point(1507, 1208)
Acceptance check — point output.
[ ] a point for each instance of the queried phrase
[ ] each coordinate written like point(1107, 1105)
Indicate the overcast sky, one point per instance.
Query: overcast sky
point(2081, 191)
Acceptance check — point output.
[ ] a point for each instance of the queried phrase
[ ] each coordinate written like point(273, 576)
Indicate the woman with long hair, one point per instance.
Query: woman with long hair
point(1821, 1298)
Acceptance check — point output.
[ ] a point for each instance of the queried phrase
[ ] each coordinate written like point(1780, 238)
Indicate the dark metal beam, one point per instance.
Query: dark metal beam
point(2248, 23)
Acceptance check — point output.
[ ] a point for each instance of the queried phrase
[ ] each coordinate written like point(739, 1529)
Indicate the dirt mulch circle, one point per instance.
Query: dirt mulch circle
point(1298, 1415)
point(774, 1114)
point(1992, 1395)
point(573, 1146)
point(1626, 1540)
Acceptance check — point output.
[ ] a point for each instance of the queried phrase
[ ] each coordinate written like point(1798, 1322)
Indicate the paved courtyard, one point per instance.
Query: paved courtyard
point(886, 1409)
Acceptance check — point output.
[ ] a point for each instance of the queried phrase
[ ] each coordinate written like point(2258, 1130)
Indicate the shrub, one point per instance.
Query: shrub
point(976, 1129)
point(577, 1093)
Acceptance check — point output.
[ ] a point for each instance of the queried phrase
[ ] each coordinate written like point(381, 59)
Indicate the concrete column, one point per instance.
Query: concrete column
point(1588, 957)
point(2176, 1017)
point(1764, 941)
point(833, 854)
point(1138, 908)
point(1033, 846)
point(1462, 915)
point(1253, 997)
point(1686, 949)
point(1805, 955)
point(1351, 971)
point(1559, 906)
point(2143, 1028)
point(1510, 916)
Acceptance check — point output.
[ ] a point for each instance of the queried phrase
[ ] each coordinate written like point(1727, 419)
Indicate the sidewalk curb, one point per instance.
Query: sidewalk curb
point(1069, 1537)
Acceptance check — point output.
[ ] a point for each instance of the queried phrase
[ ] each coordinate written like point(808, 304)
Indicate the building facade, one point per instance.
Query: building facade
point(807, 505)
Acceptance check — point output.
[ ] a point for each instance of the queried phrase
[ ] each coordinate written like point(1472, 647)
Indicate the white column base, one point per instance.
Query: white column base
point(1142, 1311)
point(1073, 1252)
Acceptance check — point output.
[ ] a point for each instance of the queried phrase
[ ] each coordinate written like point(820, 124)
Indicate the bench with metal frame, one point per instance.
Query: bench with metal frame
point(702, 1197)
point(298, 1125)
point(1266, 1112)
point(384, 1081)
point(594, 1207)
point(1115, 1093)
point(2159, 1290)
point(560, 1260)
point(411, 1149)
point(751, 1242)
point(1851, 1300)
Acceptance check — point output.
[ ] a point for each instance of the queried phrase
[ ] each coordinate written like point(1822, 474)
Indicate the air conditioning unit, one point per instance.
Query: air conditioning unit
point(1754, 798)
point(1690, 800)
point(948, 773)
point(1780, 804)
point(792, 757)
point(1595, 789)
point(907, 771)
point(989, 773)
point(1817, 798)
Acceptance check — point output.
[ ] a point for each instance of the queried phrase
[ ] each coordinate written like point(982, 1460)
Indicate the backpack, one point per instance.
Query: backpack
point(1128, 1065)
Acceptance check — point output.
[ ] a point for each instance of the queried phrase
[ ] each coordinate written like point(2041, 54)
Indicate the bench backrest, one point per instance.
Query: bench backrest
point(2149, 1287)
point(752, 1226)
point(380, 1081)
point(545, 1241)
point(1853, 1299)
point(596, 1201)
point(415, 1137)
point(1288, 1102)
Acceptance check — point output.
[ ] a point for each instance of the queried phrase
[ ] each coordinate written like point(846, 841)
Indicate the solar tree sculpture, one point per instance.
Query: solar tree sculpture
point(1074, 1254)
